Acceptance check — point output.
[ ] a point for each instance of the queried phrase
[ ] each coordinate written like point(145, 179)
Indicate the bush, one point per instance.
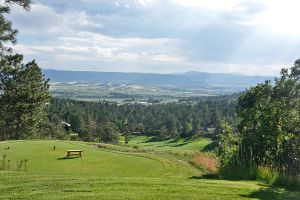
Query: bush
point(263, 174)
point(238, 173)
point(267, 175)
point(287, 181)
point(207, 163)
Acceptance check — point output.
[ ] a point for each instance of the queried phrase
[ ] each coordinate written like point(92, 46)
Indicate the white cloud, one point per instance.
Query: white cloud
point(161, 36)
point(208, 4)
point(100, 48)
point(282, 17)
point(145, 2)
point(117, 3)
point(44, 19)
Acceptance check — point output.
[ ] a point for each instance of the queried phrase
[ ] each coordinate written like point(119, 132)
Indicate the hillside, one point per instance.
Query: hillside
point(189, 80)
point(116, 86)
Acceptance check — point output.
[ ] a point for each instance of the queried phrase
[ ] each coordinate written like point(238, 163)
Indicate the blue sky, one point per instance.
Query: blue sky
point(252, 37)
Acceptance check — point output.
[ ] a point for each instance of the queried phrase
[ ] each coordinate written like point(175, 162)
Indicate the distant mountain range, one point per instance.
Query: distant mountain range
point(189, 80)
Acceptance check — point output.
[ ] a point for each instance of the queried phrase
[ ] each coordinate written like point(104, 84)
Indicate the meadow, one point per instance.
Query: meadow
point(111, 174)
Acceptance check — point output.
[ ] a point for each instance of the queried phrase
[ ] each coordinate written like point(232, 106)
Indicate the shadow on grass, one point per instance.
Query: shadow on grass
point(172, 144)
point(179, 145)
point(206, 176)
point(189, 139)
point(273, 193)
point(211, 146)
point(265, 193)
point(67, 158)
point(153, 139)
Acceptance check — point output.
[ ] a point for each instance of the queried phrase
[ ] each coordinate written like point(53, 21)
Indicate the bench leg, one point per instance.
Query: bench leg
point(69, 154)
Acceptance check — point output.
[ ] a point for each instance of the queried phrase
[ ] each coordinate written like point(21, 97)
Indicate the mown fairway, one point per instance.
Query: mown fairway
point(42, 159)
point(114, 175)
point(170, 145)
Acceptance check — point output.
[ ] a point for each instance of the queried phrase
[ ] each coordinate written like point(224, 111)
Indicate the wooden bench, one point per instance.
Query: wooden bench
point(71, 153)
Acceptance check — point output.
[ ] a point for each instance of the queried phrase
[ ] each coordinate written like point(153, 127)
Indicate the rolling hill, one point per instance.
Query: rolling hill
point(189, 80)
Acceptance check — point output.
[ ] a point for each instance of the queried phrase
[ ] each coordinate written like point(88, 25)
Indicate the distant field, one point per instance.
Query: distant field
point(122, 93)
point(104, 174)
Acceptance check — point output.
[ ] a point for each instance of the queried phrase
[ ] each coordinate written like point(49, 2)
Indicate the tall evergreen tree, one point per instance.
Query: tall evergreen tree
point(24, 98)
point(24, 90)
point(7, 32)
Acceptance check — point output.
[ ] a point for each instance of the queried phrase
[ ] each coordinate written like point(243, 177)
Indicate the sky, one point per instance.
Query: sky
point(251, 37)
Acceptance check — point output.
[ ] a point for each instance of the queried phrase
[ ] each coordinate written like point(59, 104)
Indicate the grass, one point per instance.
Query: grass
point(181, 145)
point(42, 159)
point(106, 174)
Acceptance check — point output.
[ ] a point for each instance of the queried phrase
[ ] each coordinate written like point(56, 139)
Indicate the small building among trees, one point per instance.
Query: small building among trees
point(66, 126)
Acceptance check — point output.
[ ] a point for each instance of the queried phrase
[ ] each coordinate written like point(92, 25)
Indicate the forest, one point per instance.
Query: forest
point(166, 121)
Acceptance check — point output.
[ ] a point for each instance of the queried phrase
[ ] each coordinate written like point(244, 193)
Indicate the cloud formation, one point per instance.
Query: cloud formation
point(234, 36)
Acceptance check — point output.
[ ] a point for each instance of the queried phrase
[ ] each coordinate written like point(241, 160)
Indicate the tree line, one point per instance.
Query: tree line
point(166, 121)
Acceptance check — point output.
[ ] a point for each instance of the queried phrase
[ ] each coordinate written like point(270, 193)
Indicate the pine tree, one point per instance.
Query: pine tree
point(25, 96)
point(24, 91)
point(7, 32)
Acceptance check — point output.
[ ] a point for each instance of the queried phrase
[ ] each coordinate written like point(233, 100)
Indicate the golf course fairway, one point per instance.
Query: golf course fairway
point(104, 174)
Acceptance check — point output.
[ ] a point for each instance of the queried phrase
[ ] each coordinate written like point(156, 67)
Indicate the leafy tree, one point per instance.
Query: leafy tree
point(108, 133)
point(214, 119)
point(256, 111)
point(127, 132)
point(201, 133)
point(269, 127)
point(77, 122)
point(51, 128)
point(187, 128)
point(228, 146)
point(91, 131)
point(163, 132)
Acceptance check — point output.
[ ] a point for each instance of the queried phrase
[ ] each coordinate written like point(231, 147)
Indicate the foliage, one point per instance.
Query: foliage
point(108, 133)
point(7, 32)
point(25, 95)
point(227, 147)
point(166, 121)
point(24, 91)
point(268, 129)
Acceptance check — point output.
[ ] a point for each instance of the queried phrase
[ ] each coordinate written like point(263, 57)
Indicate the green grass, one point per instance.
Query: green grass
point(107, 174)
point(181, 144)
point(42, 159)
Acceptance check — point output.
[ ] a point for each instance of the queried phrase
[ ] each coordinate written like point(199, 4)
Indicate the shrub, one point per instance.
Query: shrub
point(205, 162)
point(239, 173)
point(287, 181)
point(267, 175)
